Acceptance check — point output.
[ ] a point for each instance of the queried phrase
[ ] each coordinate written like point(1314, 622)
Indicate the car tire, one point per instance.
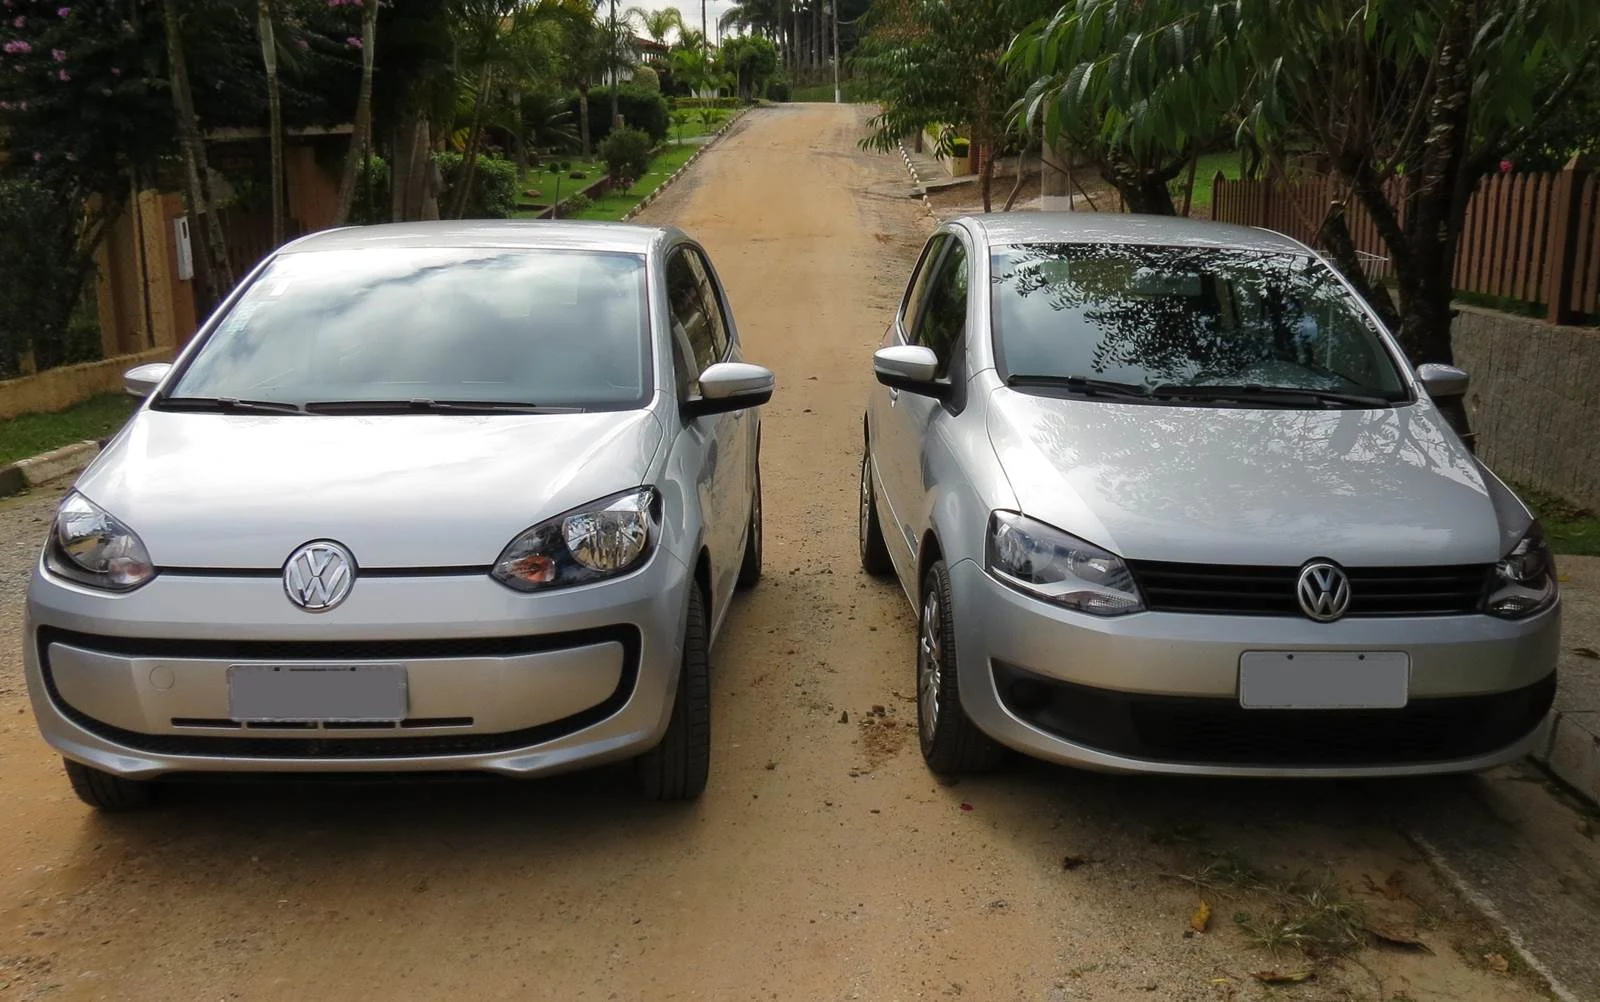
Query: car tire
point(874, 552)
point(678, 767)
point(105, 792)
point(951, 743)
point(750, 567)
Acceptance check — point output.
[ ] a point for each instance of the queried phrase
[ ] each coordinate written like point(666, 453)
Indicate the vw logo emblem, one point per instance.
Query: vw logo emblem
point(1324, 592)
point(318, 576)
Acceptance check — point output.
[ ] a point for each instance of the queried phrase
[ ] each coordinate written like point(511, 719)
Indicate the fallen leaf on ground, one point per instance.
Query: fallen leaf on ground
point(1072, 862)
point(966, 807)
point(1201, 917)
point(1394, 937)
point(1587, 652)
point(1497, 962)
point(1282, 977)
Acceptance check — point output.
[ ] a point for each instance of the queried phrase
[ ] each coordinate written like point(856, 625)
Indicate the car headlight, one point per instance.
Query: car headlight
point(1524, 579)
point(598, 541)
point(90, 546)
point(1049, 564)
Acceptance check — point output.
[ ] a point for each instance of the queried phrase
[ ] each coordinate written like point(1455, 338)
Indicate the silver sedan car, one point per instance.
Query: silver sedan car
point(429, 497)
point(1168, 498)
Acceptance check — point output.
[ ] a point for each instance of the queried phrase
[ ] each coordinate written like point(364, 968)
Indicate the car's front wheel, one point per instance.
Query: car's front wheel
point(105, 792)
point(874, 552)
point(951, 742)
point(678, 767)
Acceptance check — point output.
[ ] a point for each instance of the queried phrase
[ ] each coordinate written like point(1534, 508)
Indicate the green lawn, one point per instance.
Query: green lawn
point(1569, 528)
point(95, 418)
point(1205, 176)
point(618, 203)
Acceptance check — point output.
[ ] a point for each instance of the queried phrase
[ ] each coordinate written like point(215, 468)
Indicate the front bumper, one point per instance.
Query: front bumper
point(1158, 692)
point(496, 681)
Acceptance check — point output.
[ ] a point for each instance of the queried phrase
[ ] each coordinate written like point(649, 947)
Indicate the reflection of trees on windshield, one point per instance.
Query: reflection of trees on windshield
point(1153, 314)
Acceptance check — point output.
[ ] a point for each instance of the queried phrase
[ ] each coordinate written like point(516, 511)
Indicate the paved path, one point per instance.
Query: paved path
point(824, 863)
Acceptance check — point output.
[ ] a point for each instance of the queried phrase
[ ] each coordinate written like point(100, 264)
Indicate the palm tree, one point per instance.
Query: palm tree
point(658, 24)
point(361, 139)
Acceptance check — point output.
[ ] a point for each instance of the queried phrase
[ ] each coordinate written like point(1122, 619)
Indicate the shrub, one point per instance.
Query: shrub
point(778, 90)
point(626, 153)
point(646, 78)
point(494, 185)
point(709, 102)
point(639, 108)
point(372, 203)
point(43, 271)
point(570, 207)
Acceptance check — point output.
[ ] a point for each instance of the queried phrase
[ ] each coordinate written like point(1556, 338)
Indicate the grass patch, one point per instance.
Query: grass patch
point(1310, 916)
point(822, 93)
point(617, 204)
point(95, 418)
point(1570, 528)
point(1205, 177)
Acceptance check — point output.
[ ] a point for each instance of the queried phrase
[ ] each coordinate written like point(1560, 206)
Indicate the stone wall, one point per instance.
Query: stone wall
point(1534, 401)
point(57, 389)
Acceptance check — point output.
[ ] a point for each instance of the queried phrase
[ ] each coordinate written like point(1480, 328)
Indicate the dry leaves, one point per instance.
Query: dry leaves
point(1497, 962)
point(1201, 917)
point(1072, 861)
point(1587, 652)
point(1282, 977)
point(1394, 937)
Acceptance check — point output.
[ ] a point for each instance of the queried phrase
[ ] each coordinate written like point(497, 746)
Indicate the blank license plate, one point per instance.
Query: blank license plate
point(1324, 681)
point(264, 693)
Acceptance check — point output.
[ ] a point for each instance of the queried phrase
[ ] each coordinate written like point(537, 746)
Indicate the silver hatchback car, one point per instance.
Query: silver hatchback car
point(1169, 499)
point(449, 496)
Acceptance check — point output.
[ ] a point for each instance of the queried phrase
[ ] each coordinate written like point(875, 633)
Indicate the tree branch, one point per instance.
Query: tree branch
point(1491, 151)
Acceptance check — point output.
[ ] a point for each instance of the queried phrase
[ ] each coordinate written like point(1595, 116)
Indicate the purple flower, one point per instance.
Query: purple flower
point(59, 55)
point(63, 12)
point(353, 42)
point(18, 47)
point(63, 75)
point(116, 72)
point(38, 157)
point(20, 22)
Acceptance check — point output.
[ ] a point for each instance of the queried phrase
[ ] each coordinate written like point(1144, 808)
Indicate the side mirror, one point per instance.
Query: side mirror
point(142, 380)
point(731, 386)
point(1443, 382)
point(910, 367)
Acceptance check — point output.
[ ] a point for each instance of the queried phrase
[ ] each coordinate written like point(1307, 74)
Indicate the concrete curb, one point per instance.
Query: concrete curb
point(671, 180)
point(1573, 754)
point(916, 179)
point(25, 473)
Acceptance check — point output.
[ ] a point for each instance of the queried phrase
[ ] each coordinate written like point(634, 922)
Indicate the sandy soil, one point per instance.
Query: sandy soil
point(823, 862)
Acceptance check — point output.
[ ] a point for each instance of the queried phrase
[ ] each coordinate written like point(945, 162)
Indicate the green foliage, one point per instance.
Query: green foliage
point(494, 185)
point(690, 101)
point(573, 205)
point(778, 90)
point(626, 153)
point(752, 60)
point(549, 122)
point(373, 199)
point(96, 418)
point(43, 270)
point(639, 108)
point(646, 78)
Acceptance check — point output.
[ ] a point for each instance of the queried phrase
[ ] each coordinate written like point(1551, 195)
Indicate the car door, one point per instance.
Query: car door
point(701, 338)
point(889, 438)
point(940, 323)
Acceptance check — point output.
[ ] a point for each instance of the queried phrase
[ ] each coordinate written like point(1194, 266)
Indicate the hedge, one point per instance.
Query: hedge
point(640, 108)
point(494, 189)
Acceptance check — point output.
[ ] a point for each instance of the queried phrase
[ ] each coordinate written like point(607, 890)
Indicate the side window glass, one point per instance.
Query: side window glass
point(944, 318)
point(918, 290)
point(693, 349)
point(708, 293)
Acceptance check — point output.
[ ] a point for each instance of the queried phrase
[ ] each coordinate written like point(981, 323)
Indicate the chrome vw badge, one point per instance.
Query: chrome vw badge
point(318, 576)
point(1324, 592)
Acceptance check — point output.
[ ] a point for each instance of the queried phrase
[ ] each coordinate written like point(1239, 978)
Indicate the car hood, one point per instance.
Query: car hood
point(1245, 486)
point(400, 491)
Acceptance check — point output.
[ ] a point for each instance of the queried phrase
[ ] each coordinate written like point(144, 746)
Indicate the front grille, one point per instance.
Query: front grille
point(1211, 731)
point(1270, 591)
point(388, 746)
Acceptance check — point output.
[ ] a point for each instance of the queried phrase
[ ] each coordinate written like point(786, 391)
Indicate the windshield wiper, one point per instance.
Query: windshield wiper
point(1081, 384)
point(428, 406)
point(226, 405)
point(1256, 392)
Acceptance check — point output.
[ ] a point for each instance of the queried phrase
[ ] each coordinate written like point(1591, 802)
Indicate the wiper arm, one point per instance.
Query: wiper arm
point(225, 405)
point(1081, 384)
point(1258, 392)
point(428, 406)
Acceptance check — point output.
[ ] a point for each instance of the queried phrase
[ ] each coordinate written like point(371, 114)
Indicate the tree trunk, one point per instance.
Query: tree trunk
point(986, 175)
point(196, 170)
point(469, 158)
point(360, 140)
point(269, 58)
point(583, 120)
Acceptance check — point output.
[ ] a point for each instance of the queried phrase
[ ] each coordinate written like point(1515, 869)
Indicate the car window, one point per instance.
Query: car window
point(530, 326)
point(943, 319)
point(691, 322)
point(708, 292)
point(1184, 316)
point(917, 291)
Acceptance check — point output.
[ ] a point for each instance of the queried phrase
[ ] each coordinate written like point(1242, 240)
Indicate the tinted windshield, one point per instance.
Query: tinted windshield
point(1181, 317)
point(548, 328)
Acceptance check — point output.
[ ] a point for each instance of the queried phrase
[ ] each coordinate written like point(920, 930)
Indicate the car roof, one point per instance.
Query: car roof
point(532, 234)
point(1125, 228)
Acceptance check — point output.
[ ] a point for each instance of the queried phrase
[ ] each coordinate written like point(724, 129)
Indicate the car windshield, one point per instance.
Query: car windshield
point(446, 326)
point(1186, 323)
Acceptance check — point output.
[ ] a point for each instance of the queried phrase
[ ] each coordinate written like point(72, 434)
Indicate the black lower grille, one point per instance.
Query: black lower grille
point(1209, 731)
point(1270, 591)
point(248, 745)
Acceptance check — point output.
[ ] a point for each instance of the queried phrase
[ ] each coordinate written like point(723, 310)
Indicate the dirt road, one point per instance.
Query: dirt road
point(823, 862)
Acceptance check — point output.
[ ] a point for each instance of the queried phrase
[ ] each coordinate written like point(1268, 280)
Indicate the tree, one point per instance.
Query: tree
point(658, 24)
point(197, 170)
point(269, 59)
point(751, 60)
point(940, 64)
point(361, 137)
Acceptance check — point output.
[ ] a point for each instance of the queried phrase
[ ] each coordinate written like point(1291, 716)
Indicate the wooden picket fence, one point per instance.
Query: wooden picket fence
point(1533, 238)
